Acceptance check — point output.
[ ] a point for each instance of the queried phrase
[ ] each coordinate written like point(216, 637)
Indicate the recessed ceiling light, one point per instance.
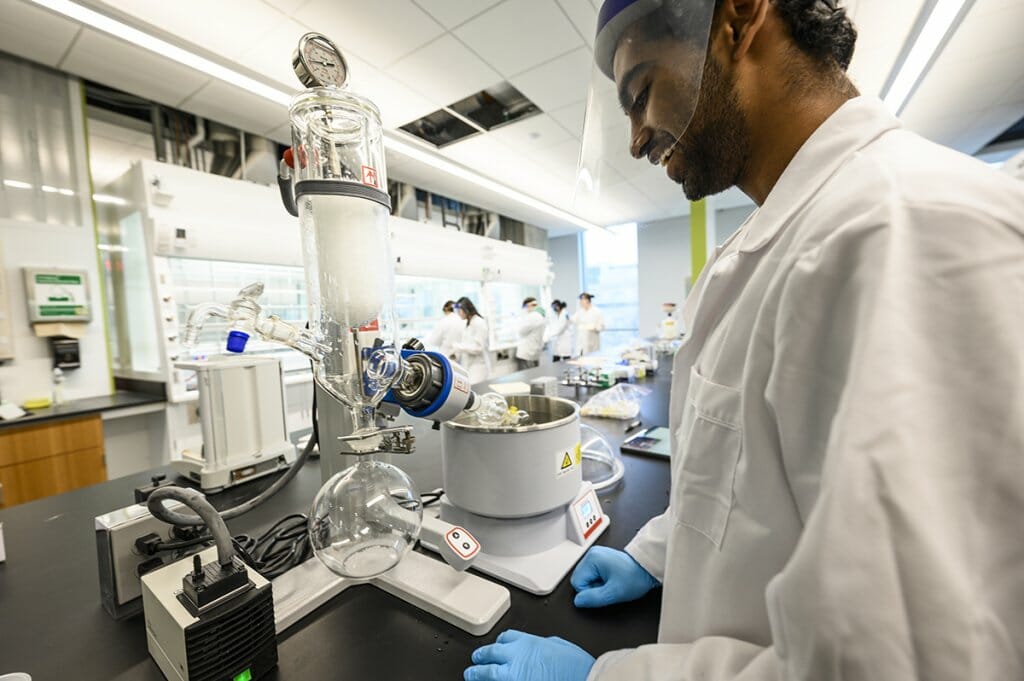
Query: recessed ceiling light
point(942, 18)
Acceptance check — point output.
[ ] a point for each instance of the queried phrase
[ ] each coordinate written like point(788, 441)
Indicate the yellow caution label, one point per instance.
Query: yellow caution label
point(579, 453)
point(566, 462)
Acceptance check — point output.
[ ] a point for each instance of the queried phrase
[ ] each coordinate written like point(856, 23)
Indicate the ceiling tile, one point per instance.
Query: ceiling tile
point(583, 16)
point(517, 35)
point(451, 13)
point(482, 154)
point(398, 104)
point(530, 133)
point(490, 158)
point(559, 82)
point(571, 118)
point(963, 84)
point(1000, 28)
point(379, 31)
point(445, 70)
point(109, 61)
point(271, 55)
point(224, 27)
point(230, 105)
point(34, 33)
point(560, 159)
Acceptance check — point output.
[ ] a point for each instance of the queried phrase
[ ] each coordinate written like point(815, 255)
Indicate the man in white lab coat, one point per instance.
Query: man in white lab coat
point(848, 404)
point(589, 321)
point(531, 335)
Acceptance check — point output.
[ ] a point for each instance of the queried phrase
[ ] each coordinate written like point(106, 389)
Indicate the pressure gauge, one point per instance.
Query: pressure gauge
point(318, 63)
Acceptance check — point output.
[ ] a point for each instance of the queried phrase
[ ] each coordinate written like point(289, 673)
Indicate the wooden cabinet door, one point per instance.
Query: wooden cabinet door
point(51, 458)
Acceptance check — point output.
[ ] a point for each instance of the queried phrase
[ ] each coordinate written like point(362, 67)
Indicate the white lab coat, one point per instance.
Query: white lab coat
point(445, 334)
point(560, 335)
point(848, 428)
point(471, 351)
point(589, 325)
point(531, 336)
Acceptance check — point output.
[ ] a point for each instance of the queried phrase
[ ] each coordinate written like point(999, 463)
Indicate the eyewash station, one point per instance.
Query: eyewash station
point(421, 514)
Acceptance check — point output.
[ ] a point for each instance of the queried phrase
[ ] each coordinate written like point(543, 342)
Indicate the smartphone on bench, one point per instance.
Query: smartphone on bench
point(650, 441)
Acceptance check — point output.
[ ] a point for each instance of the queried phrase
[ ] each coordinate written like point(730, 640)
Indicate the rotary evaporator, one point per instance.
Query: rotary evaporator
point(515, 504)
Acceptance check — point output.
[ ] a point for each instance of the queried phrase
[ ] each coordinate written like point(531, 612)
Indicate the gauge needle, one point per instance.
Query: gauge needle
point(328, 64)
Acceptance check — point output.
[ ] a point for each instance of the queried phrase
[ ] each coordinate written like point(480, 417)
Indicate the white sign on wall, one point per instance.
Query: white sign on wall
point(57, 295)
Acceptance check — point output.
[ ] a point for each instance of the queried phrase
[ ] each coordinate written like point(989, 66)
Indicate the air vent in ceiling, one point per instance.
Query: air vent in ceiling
point(495, 106)
point(486, 110)
point(441, 128)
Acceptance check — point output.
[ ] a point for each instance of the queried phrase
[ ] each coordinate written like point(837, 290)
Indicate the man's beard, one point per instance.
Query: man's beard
point(716, 145)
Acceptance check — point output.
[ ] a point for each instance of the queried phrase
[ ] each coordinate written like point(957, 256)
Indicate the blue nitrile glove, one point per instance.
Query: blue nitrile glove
point(518, 656)
point(606, 576)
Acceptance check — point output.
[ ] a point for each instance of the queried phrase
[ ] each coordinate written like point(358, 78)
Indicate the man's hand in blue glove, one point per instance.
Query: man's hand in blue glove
point(517, 656)
point(606, 576)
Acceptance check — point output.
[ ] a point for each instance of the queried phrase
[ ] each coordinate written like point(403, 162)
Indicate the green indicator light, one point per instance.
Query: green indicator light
point(244, 676)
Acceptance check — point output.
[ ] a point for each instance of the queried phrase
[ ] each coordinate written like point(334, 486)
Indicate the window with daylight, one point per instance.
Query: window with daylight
point(610, 274)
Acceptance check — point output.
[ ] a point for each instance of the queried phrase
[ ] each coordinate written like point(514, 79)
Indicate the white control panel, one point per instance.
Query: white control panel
point(585, 516)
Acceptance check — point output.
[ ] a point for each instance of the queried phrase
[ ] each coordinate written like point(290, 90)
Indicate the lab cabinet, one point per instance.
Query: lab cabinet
point(50, 458)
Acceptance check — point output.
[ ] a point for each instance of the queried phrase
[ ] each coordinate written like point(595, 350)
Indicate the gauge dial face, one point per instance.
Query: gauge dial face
point(321, 61)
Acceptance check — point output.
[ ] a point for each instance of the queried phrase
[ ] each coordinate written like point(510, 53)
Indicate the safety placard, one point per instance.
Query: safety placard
point(370, 177)
point(57, 295)
point(568, 460)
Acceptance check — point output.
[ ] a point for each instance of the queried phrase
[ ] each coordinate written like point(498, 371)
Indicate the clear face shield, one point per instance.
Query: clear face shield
point(648, 65)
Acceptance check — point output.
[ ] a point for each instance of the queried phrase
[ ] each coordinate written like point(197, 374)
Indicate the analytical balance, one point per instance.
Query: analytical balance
point(241, 410)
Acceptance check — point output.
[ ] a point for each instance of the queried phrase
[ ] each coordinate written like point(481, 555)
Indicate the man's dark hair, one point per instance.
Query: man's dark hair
point(820, 28)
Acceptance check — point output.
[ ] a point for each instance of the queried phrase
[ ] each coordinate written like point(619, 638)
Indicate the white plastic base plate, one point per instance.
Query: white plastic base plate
point(463, 600)
point(538, 563)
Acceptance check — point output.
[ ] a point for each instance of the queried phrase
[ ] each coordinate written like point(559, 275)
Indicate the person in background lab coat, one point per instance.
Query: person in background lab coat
point(560, 332)
point(472, 349)
point(447, 332)
point(531, 335)
point(589, 322)
point(846, 415)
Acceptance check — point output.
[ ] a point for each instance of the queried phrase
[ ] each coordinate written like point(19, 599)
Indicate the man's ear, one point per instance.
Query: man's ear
point(742, 21)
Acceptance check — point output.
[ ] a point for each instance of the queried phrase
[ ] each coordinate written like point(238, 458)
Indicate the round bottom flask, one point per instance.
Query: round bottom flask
point(364, 519)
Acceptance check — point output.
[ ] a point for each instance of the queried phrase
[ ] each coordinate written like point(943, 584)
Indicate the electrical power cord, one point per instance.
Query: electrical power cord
point(160, 512)
point(282, 547)
point(432, 497)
